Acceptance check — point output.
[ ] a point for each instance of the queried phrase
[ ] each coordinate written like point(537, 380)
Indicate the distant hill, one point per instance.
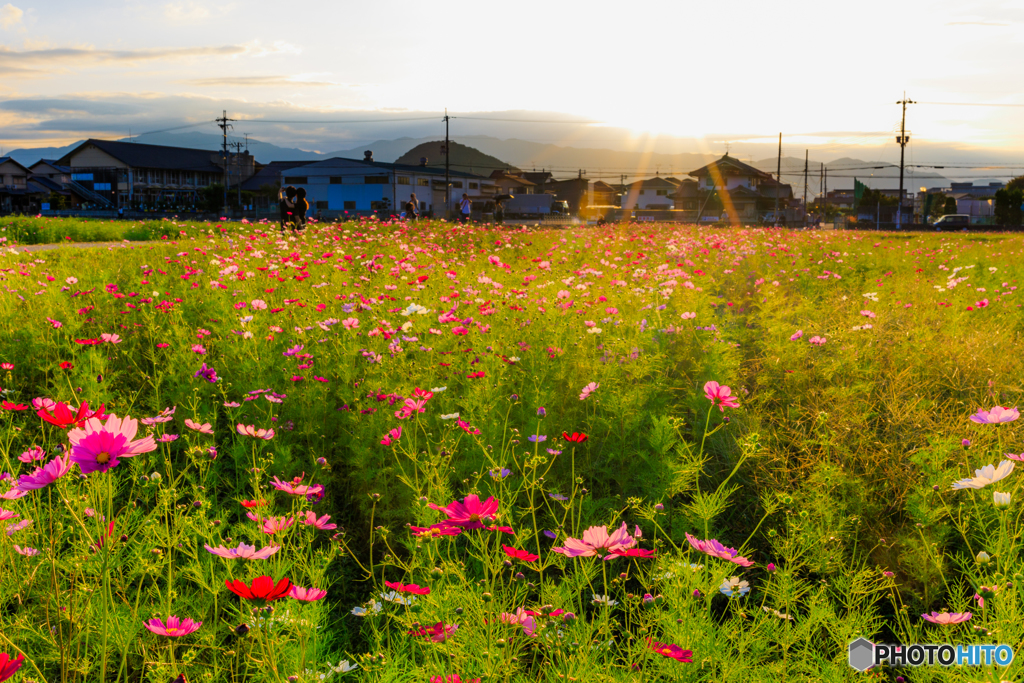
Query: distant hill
point(460, 157)
point(878, 175)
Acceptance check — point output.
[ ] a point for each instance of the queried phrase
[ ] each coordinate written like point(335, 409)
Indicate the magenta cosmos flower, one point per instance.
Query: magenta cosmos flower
point(469, 513)
point(174, 628)
point(597, 542)
point(99, 446)
point(995, 416)
point(9, 665)
point(715, 549)
point(45, 475)
point(720, 396)
point(947, 618)
point(295, 488)
point(243, 552)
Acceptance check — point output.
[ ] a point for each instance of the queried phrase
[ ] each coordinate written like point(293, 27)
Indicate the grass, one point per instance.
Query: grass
point(489, 348)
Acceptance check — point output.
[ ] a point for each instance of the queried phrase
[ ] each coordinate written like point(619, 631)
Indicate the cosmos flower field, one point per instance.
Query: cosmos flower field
point(428, 452)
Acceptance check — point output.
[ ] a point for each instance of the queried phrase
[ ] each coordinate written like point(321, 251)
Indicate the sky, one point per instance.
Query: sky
point(672, 76)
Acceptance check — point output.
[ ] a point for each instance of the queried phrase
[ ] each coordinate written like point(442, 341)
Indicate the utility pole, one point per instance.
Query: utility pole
point(902, 139)
point(806, 153)
point(238, 154)
point(778, 177)
point(223, 123)
point(824, 192)
point(447, 172)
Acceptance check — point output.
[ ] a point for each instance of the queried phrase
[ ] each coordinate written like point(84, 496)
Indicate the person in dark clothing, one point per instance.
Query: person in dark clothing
point(301, 209)
point(286, 202)
point(412, 208)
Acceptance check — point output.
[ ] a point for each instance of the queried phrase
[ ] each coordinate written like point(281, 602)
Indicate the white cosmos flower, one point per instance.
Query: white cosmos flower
point(453, 416)
point(1000, 500)
point(989, 474)
point(438, 390)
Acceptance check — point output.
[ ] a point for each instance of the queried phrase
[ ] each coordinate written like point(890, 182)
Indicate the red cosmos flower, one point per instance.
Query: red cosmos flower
point(7, 405)
point(672, 651)
point(62, 417)
point(66, 365)
point(9, 666)
point(452, 678)
point(263, 588)
point(517, 554)
point(254, 503)
point(475, 375)
point(408, 588)
point(437, 633)
point(575, 437)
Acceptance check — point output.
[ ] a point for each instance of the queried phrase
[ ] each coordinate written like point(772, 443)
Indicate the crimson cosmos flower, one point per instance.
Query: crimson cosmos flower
point(575, 437)
point(517, 554)
point(8, 666)
point(470, 513)
point(408, 588)
point(61, 415)
point(262, 588)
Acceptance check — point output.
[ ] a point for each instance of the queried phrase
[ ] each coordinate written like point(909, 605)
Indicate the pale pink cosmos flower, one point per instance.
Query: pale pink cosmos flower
point(43, 403)
point(250, 430)
point(295, 487)
point(321, 523)
point(174, 627)
point(306, 594)
point(818, 341)
point(350, 323)
point(521, 617)
point(989, 474)
point(796, 335)
point(110, 338)
point(33, 454)
point(720, 395)
point(205, 428)
point(715, 549)
point(98, 447)
point(947, 618)
point(596, 542)
point(26, 551)
point(588, 390)
point(258, 304)
point(995, 416)
point(243, 552)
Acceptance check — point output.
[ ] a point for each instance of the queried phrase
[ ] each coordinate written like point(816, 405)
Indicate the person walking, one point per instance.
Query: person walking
point(465, 207)
point(286, 203)
point(301, 209)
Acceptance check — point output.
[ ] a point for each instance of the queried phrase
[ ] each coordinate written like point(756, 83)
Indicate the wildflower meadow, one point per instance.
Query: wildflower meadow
point(380, 451)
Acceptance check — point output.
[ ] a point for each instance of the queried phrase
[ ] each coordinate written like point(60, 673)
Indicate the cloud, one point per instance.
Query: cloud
point(191, 11)
point(257, 81)
point(10, 16)
point(40, 61)
point(977, 23)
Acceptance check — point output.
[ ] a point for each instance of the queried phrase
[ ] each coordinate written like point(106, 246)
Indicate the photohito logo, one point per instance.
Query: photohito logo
point(864, 654)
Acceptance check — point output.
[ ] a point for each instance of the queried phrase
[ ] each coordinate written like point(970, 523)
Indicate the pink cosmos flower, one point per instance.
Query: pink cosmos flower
point(391, 437)
point(98, 446)
point(26, 551)
point(588, 390)
point(720, 395)
point(205, 428)
point(295, 488)
point(469, 513)
point(250, 430)
point(321, 523)
point(597, 542)
point(110, 338)
point(521, 617)
point(796, 335)
point(174, 628)
point(33, 454)
point(715, 549)
point(306, 594)
point(995, 416)
point(275, 524)
point(45, 475)
point(7, 514)
point(434, 530)
point(350, 323)
point(818, 341)
point(243, 552)
point(947, 618)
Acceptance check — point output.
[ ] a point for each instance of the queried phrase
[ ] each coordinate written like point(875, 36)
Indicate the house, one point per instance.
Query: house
point(651, 193)
point(512, 183)
point(336, 186)
point(49, 168)
point(136, 175)
point(15, 190)
point(738, 192)
point(267, 176)
point(581, 193)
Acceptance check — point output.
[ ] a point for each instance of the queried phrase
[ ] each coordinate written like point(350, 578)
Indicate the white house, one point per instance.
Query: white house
point(652, 193)
point(337, 185)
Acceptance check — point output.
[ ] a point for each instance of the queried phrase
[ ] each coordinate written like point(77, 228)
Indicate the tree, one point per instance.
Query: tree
point(1008, 203)
point(950, 206)
point(1016, 184)
point(871, 199)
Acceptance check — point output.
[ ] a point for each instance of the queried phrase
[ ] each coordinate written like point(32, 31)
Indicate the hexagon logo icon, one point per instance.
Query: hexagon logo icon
point(862, 654)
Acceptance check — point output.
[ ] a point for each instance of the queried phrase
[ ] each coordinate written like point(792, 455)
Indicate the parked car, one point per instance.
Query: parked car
point(534, 206)
point(953, 220)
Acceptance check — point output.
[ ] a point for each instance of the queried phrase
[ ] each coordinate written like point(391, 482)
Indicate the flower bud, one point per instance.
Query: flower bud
point(659, 507)
point(983, 558)
point(487, 597)
point(241, 629)
point(1000, 500)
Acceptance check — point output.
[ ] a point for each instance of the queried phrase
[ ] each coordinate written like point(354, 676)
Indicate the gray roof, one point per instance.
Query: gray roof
point(401, 168)
point(139, 155)
point(270, 174)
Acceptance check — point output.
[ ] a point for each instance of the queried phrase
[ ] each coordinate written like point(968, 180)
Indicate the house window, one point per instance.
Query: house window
point(403, 180)
point(457, 183)
point(295, 180)
point(350, 206)
point(321, 205)
point(335, 180)
point(474, 186)
point(375, 180)
point(423, 182)
point(661, 193)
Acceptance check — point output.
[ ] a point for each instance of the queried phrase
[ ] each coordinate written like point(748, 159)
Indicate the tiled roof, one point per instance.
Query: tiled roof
point(138, 155)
